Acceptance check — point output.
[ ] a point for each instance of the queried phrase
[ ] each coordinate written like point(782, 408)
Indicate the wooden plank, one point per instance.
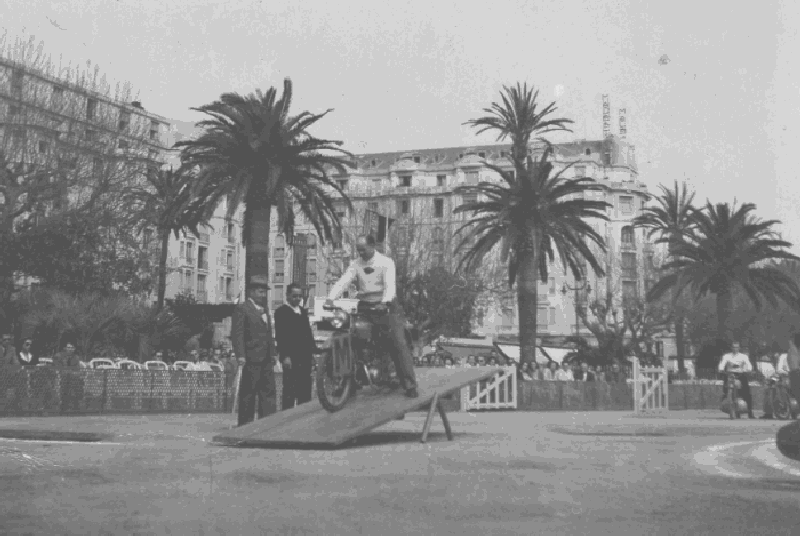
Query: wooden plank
point(310, 424)
point(443, 415)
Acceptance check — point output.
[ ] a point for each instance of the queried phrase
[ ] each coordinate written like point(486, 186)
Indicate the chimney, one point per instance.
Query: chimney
point(137, 104)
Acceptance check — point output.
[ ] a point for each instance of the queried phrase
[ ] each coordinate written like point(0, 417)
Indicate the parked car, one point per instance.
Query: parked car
point(156, 365)
point(100, 363)
point(182, 365)
point(127, 364)
point(46, 362)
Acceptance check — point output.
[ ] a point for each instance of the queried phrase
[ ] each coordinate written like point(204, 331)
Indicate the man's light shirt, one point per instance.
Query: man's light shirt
point(374, 278)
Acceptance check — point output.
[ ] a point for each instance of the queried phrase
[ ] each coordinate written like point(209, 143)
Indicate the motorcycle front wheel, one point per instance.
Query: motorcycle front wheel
point(332, 392)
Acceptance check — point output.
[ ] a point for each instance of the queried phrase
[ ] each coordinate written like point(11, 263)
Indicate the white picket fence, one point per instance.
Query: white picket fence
point(650, 388)
point(498, 392)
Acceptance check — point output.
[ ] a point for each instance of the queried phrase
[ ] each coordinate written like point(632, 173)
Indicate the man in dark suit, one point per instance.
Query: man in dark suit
point(296, 347)
point(584, 374)
point(251, 335)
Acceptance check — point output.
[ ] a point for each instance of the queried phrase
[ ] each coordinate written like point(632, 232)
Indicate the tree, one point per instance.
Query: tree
point(533, 214)
point(730, 248)
point(671, 221)
point(253, 152)
point(531, 218)
point(149, 206)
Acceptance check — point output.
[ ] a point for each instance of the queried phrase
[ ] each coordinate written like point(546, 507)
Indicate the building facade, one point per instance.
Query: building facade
point(407, 200)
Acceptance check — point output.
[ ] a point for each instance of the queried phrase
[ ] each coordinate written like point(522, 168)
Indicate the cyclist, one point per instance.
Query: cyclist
point(375, 279)
point(739, 363)
point(781, 370)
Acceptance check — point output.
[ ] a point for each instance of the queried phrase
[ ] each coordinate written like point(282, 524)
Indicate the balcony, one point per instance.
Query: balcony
point(205, 238)
point(189, 261)
point(202, 264)
point(628, 246)
point(629, 273)
point(277, 277)
point(229, 268)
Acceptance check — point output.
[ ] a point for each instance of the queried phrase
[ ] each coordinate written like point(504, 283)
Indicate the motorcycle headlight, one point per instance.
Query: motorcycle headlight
point(339, 319)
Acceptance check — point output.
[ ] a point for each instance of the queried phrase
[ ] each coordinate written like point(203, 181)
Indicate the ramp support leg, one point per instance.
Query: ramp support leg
point(436, 406)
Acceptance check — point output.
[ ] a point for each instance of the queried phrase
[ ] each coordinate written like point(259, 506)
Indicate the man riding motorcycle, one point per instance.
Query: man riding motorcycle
point(375, 279)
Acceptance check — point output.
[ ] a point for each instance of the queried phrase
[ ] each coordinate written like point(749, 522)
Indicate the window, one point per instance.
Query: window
point(91, 109)
point(502, 154)
point(278, 275)
point(280, 246)
point(588, 151)
point(58, 95)
point(472, 177)
point(552, 316)
point(340, 209)
point(311, 271)
point(90, 135)
point(123, 144)
point(124, 120)
point(416, 160)
point(629, 265)
point(44, 147)
point(542, 318)
point(402, 206)
point(626, 204)
point(552, 289)
point(629, 290)
point(469, 198)
point(153, 130)
point(188, 281)
point(650, 262)
point(229, 289)
point(438, 208)
point(628, 238)
point(16, 80)
point(507, 318)
point(482, 154)
point(231, 233)
point(190, 253)
point(372, 163)
point(580, 171)
point(373, 206)
point(659, 348)
point(405, 182)
point(201, 288)
point(437, 239)
point(202, 258)
point(182, 254)
point(312, 246)
point(229, 261)
point(441, 180)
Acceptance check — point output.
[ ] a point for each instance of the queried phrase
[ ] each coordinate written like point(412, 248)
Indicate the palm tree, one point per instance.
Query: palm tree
point(671, 221)
point(253, 152)
point(730, 248)
point(531, 218)
point(531, 214)
point(150, 204)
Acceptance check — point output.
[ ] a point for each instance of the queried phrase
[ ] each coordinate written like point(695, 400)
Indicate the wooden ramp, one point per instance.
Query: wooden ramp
point(310, 425)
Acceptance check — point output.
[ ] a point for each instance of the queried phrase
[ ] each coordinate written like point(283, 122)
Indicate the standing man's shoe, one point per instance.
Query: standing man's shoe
point(412, 393)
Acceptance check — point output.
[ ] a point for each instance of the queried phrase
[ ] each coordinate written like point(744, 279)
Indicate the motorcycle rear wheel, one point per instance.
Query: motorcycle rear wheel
point(781, 408)
point(332, 393)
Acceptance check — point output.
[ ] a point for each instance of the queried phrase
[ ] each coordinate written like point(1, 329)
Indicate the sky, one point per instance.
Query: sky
point(722, 114)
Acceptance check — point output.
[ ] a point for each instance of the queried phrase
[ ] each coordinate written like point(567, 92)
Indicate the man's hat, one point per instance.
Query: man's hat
point(259, 281)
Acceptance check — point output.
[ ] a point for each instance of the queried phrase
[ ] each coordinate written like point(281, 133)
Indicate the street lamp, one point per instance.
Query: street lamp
point(566, 288)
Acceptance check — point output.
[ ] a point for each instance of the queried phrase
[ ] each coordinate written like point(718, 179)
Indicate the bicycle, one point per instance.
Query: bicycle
point(356, 358)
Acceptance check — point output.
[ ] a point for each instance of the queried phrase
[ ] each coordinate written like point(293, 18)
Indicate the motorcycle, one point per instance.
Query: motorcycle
point(783, 405)
point(356, 356)
point(733, 405)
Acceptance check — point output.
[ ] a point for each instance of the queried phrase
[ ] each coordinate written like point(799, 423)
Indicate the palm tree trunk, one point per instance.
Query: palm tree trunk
point(724, 312)
point(527, 298)
point(680, 341)
point(162, 269)
point(257, 246)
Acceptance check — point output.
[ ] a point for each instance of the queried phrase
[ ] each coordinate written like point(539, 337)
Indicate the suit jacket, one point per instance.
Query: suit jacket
point(250, 335)
point(293, 335)
point(590, 377)
point(34, 360)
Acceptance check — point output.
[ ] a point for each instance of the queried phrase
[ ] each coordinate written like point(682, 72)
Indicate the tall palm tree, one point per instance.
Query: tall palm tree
point(730, 247)
point(671, 221)
point(150, 207)
point(253, 152)
point(531, 217)
point(531, 214)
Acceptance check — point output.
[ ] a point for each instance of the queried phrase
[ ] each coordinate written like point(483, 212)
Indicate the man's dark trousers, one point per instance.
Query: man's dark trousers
point(258, 380)
point(296, 385)
point(395, 320)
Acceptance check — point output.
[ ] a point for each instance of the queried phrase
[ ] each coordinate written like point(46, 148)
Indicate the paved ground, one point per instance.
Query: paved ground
point(505, 473)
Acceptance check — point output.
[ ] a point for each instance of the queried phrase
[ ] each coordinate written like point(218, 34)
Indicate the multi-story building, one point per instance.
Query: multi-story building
point(409, 197)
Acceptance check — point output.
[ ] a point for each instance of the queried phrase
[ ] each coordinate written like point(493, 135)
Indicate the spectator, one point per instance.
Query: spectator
point(527, 371)
point(200, 361)
point(159, 356)
point(71, 381)
point(492, 361)
point(470, 361)
point(550, 373)
point(481, 361)
point(8, 354)
point(584, 374)
point(502, 361)
point(437, 361)
point(26, 357)
point(564, 374)
point(616, 375)
point(448, 362)
point(296, 347)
